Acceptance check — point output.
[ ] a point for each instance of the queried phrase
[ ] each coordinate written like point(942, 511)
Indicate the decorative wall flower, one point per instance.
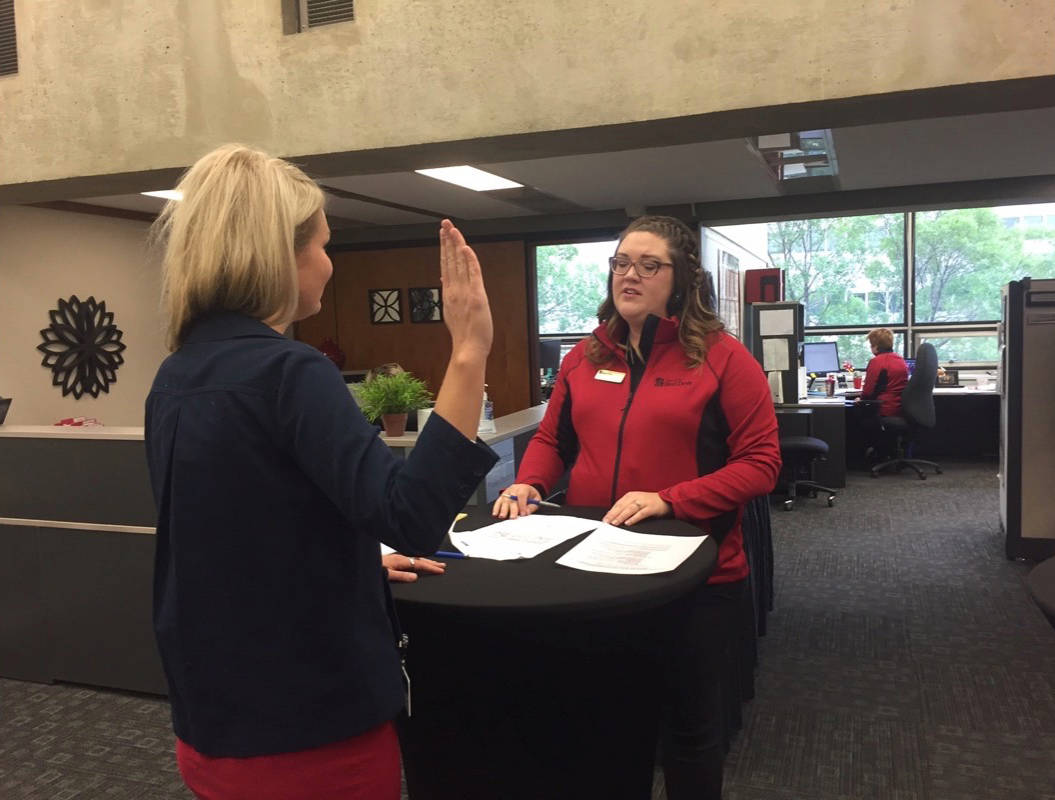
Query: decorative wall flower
point(82, 347)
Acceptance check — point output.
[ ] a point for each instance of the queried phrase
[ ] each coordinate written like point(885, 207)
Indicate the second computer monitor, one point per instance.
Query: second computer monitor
point(820, 357)
point(549, 355)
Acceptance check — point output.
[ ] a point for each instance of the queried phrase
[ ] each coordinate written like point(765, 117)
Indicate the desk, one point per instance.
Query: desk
point(827, 422)
point(967, 426)
point(77, 549)
point(524, 683)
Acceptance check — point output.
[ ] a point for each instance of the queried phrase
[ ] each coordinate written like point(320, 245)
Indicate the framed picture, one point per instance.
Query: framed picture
point(426, 304)
point(950, 377)
point(385, 306)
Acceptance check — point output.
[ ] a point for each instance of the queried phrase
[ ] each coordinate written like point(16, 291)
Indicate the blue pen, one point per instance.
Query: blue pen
point(449, 554)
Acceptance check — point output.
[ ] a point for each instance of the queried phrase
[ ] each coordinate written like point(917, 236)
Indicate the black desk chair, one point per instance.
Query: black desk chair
point(917, 408)
point(798, 454)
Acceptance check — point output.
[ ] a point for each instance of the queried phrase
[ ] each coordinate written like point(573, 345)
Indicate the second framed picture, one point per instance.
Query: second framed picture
point(426, 304)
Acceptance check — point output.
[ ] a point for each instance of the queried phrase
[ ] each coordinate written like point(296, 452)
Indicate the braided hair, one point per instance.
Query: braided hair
point(692, 299)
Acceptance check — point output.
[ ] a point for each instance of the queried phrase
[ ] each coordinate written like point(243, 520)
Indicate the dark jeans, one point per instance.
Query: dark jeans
point(696, 667)
point(883, 443)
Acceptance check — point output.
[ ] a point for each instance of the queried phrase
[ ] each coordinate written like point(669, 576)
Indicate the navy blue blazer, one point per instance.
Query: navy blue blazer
point(272, 493)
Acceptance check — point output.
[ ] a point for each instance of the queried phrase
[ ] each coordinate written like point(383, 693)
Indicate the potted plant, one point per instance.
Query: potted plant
point(390, 398)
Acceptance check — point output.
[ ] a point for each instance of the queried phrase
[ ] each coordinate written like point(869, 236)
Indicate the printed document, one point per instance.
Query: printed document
point(523, 537)
point(623, 552)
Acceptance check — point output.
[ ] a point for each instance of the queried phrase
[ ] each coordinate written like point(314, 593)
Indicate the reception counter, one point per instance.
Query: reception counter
point(77, 549)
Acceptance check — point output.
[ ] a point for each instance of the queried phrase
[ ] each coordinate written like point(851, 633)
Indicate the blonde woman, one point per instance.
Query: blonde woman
point(272, 492)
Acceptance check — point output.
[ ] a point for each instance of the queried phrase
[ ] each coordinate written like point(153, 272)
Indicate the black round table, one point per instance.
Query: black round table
point(535, 680)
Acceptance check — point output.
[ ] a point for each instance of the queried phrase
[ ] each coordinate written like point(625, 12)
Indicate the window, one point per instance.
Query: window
point(850, 274)
point(964, 256)
point(844, 270)
point(955, 347)
point(572, 280)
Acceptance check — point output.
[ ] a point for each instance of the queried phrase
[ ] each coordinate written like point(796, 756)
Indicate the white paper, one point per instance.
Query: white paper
point(776, 322)
point(523, 537)
point(623, 552)
point(776, 387)
point(386, 550)
point(774, 355)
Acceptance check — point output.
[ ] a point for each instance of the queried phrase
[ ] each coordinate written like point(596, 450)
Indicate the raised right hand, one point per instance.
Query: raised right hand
point(513, 501)
point(466, 311)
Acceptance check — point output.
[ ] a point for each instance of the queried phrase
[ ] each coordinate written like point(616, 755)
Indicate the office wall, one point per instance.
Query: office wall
point(424, 348)
point(147, 85)
point(45, 255)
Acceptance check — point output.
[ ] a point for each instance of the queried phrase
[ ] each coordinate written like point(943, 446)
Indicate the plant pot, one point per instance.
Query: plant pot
point(395, 424)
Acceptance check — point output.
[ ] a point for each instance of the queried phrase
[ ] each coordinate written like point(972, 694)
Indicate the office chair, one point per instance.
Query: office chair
point(798, 454)
point(917, 408)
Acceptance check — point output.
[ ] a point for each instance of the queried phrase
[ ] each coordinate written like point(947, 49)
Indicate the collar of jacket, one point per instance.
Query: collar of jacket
point(218, 325)
point(656, 330)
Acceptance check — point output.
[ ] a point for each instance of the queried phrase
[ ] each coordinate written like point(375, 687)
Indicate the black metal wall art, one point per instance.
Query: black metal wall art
point(82, 347)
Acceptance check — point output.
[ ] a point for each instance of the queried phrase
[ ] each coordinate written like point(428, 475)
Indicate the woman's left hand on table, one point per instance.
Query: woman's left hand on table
point(405, 569)
point(633, 507)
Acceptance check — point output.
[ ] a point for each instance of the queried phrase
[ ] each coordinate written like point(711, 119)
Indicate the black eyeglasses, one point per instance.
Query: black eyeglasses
point(645, 268)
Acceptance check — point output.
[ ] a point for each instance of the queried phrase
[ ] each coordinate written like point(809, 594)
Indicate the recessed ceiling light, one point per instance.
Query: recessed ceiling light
point(166, 194)
point(470, 178)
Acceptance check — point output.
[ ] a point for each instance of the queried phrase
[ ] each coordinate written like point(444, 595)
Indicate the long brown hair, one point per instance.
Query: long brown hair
point(692, 298)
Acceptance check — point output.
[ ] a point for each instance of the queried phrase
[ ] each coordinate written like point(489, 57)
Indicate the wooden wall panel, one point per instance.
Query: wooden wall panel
point(423, 348)
point(321, 326)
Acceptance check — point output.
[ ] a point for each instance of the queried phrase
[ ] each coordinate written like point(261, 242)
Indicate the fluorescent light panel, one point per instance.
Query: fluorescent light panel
point(165, 194)
point(469, 178)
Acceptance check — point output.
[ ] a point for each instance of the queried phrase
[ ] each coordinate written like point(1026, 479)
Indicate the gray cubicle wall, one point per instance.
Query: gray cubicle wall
point(76, 560)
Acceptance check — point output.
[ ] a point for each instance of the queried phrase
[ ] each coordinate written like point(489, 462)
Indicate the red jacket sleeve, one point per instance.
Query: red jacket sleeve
point(754, 444)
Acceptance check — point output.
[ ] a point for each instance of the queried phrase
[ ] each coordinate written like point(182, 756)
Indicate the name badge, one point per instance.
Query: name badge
point(609, 375)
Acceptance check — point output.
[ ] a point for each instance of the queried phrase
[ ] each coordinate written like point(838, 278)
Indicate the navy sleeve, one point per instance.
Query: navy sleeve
point(409, 503)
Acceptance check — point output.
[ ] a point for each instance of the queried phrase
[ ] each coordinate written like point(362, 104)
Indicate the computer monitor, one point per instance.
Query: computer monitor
point(549, 355)
point(821, 357)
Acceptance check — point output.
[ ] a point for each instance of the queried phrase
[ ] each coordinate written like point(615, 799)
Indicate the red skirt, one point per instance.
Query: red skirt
point(365, 767)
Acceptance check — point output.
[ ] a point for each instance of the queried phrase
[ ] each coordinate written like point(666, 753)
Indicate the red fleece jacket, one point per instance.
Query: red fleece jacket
point(704, 438)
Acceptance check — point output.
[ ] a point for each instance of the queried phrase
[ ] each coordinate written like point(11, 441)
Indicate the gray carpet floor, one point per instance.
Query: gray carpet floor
point(904, 661)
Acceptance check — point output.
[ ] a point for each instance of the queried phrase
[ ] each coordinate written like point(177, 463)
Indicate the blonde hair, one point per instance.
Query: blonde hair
point(692, 297)
point(881, 338)
point(230, 244)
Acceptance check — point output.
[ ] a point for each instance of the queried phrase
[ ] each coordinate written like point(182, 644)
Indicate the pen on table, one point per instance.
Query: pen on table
point(449, 554)
point(543, 503)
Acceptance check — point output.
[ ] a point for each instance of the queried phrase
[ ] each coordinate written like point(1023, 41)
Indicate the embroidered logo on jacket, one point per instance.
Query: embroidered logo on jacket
point(672, 382)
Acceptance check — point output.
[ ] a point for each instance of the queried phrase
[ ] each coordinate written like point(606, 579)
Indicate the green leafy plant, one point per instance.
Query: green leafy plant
point(392, 394)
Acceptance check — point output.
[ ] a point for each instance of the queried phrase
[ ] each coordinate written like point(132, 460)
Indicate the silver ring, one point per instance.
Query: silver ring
point(413, 561)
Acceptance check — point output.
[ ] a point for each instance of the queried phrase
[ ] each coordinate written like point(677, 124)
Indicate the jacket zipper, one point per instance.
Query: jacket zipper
point(622, 424)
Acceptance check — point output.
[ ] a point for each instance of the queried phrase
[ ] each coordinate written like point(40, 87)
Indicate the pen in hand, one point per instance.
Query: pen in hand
point(543, 503)
point(449, 554)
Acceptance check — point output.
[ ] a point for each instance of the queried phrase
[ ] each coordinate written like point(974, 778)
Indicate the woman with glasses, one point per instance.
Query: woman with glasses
point(660, 413)
point(272, 491)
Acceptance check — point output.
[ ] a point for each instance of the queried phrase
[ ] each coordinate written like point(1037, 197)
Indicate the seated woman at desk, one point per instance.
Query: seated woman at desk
point(660, 413)
point(885, 379)
point(886, 375)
